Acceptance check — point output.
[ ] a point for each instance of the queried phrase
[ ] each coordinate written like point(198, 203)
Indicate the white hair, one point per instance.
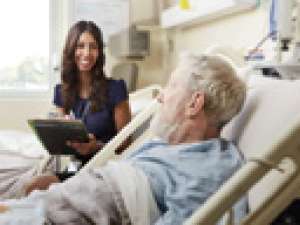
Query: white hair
point(216, 76)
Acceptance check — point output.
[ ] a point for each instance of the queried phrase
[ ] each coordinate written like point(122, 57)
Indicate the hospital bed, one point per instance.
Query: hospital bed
point(267, 131)
point(22, 156)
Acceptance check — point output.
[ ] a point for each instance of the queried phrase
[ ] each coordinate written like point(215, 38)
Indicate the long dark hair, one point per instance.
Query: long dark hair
point(70, 73)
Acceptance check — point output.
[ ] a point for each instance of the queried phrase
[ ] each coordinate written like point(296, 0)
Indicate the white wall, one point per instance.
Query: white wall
point(240, 31)
point(14, 113)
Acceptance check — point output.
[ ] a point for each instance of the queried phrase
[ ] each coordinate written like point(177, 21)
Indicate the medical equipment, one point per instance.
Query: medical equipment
point(288, 39)
point(285, 23)
point(130, 43)
point(285, 28)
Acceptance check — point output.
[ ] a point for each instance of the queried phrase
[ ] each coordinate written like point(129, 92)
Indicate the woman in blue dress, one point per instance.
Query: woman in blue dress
point(86, 93)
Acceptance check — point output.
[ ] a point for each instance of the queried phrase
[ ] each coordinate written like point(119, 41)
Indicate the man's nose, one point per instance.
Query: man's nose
point(160, 97)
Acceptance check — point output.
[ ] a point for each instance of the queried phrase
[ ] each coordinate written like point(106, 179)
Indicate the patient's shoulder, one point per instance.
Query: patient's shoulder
point(219, 149)
point(153, 143)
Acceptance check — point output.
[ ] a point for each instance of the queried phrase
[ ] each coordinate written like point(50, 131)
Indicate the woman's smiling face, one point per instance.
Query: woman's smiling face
point(86, 52)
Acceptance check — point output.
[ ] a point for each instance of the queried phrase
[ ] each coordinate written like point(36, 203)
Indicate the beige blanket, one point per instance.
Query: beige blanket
point(20, 156)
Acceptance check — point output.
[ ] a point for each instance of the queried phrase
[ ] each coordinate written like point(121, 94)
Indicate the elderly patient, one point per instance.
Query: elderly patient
point(166, 179)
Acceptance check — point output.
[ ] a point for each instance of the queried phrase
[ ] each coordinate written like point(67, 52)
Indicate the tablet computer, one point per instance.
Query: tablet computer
point(54, 133)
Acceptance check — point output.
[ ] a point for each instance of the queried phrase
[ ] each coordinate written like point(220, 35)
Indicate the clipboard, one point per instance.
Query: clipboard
point(54, 133)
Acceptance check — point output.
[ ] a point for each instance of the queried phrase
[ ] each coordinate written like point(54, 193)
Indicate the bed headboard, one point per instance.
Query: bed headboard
point(271, 106)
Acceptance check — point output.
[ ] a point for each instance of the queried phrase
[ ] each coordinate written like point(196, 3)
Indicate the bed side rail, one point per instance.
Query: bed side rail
point(108, 151)
point(286, 146)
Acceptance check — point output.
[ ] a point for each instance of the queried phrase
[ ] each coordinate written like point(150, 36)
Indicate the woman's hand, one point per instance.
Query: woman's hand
point(41, 183)
point(86, 148)
point(80, 147)
point(3, 208)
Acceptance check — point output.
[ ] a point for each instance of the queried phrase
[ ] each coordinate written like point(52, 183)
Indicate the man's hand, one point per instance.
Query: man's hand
point(85, 148)
point(41, 183)
point(3, 208)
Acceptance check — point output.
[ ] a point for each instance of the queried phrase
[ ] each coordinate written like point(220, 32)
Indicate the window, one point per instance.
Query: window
point(24, 46)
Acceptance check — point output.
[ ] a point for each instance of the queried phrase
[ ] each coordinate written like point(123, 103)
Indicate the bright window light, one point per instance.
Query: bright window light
point(24, 46)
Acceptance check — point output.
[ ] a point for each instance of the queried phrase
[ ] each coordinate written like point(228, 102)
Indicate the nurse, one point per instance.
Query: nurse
point(86, 93)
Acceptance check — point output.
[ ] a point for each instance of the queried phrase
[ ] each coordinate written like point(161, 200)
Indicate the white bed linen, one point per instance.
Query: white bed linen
point(24, 143)
point(20, 155)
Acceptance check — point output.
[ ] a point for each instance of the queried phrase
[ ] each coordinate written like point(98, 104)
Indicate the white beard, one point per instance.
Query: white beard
point(162, 129)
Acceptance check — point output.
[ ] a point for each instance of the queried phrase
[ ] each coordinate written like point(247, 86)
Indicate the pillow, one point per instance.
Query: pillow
point(270, 108)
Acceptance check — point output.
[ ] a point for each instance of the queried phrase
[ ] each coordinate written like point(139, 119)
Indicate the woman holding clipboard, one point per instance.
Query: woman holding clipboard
point(87, 94)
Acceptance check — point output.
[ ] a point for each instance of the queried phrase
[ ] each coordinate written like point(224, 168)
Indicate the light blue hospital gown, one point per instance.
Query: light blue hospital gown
point(183, 176)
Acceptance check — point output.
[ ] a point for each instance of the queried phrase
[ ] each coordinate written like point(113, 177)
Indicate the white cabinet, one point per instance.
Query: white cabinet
point(202, 11)
point(130, 43)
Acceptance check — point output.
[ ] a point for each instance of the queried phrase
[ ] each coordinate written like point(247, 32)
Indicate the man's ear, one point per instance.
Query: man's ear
point(195, 104)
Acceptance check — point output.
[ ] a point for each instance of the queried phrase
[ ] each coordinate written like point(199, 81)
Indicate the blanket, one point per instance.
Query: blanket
point(20, 157)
